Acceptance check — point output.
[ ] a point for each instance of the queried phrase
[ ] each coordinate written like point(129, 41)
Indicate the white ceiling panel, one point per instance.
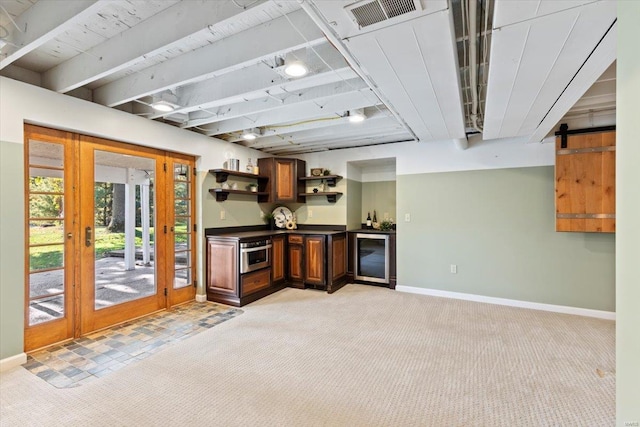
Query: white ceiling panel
point(534, 61)
point(415, 66)
point(508, 12)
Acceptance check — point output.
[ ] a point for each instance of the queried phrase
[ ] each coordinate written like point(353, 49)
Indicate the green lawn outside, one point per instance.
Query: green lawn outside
point(51, 256)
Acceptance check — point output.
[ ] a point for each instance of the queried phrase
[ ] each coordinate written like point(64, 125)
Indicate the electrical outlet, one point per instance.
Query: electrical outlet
point(407, 217)
point(454, 269)
point(310, 213)
point(223, 215)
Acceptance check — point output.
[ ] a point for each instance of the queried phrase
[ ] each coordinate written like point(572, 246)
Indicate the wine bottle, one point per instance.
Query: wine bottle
point(368, 219)
point(375, 218)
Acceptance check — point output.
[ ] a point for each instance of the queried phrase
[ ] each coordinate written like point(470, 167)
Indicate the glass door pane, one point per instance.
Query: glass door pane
point(123, 228)
point(182, 228)
point(46, 195)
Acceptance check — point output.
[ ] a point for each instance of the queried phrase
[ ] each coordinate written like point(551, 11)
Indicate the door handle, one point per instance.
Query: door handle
point(88, 236)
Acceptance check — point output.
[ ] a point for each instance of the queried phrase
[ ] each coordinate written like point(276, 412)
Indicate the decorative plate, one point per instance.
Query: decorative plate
point(282, 215)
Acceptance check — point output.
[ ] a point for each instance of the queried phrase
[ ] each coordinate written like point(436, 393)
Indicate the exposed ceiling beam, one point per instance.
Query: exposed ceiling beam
point(601, 58)
point(158, 33)
point(323, 127)
point(261, 105)
point(344, 132)
point(308, 110)
point(331, 145)
point(42, 22)
point(261, 43)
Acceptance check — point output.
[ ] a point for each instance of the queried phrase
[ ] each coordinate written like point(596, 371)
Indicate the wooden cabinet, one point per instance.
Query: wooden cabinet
point(338, 261)
point(222, 267)
point(318, 261)
point(284, 174)
point(225, 284)
point(585, 180)
point(255, 281)
point(295, 250)
point(278, 264)
point(315, 260)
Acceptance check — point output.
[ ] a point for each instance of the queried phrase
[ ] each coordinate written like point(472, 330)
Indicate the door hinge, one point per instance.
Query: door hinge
point(165, 229)
point(195, 172)
point(195, 227)
point(165, 292)
point(195, 283)
point(164, 167)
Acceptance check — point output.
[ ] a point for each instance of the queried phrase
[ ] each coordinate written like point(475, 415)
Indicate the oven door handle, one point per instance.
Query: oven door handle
point(259, 248)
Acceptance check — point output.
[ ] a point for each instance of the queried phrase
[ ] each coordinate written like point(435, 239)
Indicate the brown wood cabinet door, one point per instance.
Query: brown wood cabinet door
point(314, 260)
point(585, 183)
point(339, 258)
point(295, 263)
point(222, 266)
point(285, 180)
point(277, 261)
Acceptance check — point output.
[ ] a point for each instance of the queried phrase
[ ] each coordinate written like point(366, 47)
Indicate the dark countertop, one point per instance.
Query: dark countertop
point(372, 231)
point(242, 235)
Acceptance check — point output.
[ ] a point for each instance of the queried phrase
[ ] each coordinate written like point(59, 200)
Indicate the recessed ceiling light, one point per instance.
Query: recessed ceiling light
point(295, 69)
point(163, 106)
point(249, 135)
point(357, 116)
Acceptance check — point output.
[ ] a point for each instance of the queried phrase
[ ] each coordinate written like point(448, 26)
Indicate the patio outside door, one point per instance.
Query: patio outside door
point(110, 233)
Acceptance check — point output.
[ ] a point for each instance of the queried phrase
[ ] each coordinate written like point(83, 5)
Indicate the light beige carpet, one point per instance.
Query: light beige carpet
point(364, 356)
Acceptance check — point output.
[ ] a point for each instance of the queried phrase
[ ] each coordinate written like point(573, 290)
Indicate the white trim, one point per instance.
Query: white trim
point(13, 361)
point(608, 315)
point(201, 298)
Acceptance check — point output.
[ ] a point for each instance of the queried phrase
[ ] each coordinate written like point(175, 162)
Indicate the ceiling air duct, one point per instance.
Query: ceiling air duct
point(369, 12)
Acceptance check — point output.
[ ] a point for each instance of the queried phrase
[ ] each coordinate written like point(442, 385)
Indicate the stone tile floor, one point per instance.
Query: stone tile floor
point(96, 355)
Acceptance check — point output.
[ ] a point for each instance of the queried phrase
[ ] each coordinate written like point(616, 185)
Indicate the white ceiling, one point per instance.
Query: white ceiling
point(217, 61)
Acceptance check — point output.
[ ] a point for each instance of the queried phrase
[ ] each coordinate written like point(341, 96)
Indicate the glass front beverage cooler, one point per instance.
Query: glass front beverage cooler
point(372, 257)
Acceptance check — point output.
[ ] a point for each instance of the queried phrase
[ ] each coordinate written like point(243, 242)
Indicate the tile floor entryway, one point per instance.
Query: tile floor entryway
point(98, 354)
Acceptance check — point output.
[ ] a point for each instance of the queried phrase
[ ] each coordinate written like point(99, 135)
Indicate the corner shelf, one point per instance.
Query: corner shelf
point(222, 193)
point(223, 174)
point(331, 179)
point(332, 197)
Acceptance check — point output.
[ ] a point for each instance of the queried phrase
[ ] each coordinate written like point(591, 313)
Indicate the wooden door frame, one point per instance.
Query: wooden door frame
point(188, 293)
point(62, 329)
point(92, 319)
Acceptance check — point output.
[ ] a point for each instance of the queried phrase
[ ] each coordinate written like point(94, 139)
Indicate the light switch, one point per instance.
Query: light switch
point(223, 214)
point(407, 217)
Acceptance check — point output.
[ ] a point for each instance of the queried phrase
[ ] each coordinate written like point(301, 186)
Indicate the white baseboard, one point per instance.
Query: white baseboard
point(608, 315)
point(201, 298)
point(13, 361)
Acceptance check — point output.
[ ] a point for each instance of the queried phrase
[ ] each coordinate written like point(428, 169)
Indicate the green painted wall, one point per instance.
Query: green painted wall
point(627, 215)
point(498, 226)
point(11, 249)
point(354, 204)
point(379, 196)
point(238, 209)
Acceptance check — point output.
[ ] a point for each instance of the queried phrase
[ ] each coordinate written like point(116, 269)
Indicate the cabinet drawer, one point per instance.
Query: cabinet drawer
point(258, 280)
point(294, 238)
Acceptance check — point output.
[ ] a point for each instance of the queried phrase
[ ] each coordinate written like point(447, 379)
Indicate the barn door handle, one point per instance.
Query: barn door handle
point(88, 236)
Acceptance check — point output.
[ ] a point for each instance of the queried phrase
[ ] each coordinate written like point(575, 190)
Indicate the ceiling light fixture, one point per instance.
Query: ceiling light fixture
point(163, 106)
point(251, 134)
point(295, 68)
point(356, 116)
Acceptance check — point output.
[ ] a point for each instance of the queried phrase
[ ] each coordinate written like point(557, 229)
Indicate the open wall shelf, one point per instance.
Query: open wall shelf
point(331, 179)
point(332, 197)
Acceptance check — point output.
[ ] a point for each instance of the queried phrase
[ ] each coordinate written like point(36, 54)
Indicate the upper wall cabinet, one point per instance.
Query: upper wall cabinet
point(284, 184)
point(585, 180)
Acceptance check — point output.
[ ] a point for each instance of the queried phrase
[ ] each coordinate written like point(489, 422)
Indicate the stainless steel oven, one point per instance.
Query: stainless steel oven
point(372, 257)
point(254, 255)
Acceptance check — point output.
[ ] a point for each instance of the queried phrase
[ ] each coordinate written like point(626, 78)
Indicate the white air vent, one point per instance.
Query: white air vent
point(369, 12)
